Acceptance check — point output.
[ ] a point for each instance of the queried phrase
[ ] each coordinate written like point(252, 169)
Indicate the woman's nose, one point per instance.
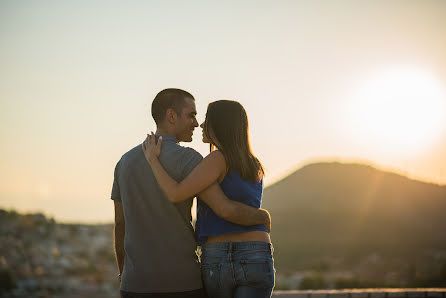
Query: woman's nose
point(202, 125)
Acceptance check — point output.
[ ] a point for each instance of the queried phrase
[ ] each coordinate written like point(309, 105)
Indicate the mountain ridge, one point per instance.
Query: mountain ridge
point(339, 210)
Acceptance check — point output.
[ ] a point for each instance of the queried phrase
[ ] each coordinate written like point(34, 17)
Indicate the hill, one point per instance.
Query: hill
point(343, 213)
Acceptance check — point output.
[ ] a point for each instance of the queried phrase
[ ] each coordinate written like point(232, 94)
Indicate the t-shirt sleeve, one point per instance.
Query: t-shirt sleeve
point(190, 160)
point(116, 193)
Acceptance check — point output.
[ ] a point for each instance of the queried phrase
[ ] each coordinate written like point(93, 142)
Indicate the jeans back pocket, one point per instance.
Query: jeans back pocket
point(210, 273)
point(258, 273)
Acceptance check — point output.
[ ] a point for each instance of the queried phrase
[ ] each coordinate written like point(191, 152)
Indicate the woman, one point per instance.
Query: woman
point(236, 260)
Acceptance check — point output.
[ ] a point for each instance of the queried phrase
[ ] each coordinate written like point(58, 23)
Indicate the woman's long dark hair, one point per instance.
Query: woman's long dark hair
point(226, 127)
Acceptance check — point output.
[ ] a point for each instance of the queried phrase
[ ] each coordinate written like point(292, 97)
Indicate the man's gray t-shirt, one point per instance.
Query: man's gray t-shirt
point(159, 239)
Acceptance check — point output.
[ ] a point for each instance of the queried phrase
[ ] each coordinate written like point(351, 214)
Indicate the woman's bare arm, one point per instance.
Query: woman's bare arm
point(205, 173)
point(202, 181)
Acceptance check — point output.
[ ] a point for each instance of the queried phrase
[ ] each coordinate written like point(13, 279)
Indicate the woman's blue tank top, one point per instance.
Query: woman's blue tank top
point(237, 189)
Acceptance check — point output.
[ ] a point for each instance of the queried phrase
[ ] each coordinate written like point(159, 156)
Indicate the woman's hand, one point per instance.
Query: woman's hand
point(151, 147)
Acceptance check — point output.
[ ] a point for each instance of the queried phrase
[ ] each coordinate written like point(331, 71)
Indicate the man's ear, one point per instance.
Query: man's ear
point(171, 116)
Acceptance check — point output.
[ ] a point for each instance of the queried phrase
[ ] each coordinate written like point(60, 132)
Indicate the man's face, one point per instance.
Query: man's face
point(186, 121)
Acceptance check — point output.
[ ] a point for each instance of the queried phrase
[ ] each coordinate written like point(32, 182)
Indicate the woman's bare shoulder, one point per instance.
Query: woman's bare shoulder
point(216, 154)
point(216, 157)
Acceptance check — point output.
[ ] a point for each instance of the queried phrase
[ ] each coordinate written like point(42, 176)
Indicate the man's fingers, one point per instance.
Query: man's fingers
point(267, 220)
point(268, 227)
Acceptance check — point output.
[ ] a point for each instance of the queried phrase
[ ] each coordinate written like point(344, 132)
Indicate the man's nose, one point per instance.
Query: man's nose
point(195, 123)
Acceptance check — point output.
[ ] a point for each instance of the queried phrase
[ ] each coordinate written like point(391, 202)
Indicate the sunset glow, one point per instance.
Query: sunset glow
point(347, 81)
point(402, 109)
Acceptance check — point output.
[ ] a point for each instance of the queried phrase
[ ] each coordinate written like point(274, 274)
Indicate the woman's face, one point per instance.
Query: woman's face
point(205, 138)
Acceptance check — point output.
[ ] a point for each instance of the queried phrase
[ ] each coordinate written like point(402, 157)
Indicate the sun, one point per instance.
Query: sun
point(401, 110)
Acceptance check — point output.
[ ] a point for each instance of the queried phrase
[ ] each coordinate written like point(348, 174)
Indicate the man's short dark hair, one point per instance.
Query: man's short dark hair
point(170, 98)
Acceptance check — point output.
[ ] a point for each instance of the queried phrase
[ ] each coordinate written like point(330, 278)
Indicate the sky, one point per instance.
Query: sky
point(350, 81)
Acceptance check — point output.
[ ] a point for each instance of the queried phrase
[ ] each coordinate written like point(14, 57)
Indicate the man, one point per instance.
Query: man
point(154, 240)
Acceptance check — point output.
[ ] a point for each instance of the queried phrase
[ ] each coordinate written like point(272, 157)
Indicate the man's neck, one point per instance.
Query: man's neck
point(163, 131)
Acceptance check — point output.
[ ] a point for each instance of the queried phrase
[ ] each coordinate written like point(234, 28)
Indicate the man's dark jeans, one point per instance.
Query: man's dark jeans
point(191, 294)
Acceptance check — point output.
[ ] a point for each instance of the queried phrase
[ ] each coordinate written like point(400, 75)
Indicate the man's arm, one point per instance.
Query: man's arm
point(234, 211)
point(119, 233)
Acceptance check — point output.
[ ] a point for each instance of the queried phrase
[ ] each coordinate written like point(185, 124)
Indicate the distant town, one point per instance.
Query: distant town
point(41, 258)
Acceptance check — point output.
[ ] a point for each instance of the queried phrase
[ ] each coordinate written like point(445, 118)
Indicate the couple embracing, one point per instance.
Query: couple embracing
point(154, 184)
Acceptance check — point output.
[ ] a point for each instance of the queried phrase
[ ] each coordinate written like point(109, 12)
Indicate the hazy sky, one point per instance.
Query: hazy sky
point(320, 80)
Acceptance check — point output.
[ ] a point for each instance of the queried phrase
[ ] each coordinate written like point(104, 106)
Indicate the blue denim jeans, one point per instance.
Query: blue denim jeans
point(238, 269)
